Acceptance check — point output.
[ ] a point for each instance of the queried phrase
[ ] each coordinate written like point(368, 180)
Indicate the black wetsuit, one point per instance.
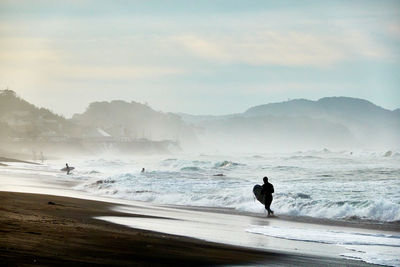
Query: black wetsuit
point(268, 189)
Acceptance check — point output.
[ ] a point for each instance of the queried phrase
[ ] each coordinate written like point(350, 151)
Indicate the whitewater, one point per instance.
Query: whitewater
point(341, 185)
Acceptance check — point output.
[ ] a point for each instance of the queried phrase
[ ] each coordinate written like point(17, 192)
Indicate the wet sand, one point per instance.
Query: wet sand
point(5, 159)
point(39, 229)
point(355, 223)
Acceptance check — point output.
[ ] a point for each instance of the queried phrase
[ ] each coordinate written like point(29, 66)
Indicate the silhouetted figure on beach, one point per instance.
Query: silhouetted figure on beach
point(267, 190)
point(41, 157)
point(68, 168)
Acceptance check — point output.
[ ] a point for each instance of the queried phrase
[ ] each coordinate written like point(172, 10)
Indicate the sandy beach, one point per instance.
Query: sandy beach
point(48, 230)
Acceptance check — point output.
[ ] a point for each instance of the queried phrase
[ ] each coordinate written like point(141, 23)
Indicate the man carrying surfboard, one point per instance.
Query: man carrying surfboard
point(267, 190)
point(68, 168)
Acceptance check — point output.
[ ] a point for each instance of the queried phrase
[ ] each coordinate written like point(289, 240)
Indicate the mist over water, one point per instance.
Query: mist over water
point(215, 161)
point(322, 184)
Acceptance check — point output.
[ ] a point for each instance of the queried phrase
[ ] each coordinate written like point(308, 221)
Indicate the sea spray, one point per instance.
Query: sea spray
point(341, 185)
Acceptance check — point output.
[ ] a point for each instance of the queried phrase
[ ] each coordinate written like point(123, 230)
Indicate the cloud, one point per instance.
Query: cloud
point(393, 30)
point(32, 61)
point(282, 48)
point(88, 72)
point(256, 51)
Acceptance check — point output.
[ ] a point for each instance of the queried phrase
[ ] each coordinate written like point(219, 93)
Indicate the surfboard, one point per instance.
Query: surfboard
point(257, 193)
point(65, 169)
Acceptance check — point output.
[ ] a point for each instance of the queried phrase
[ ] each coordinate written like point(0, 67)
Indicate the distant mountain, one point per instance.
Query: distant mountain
point(369, 123)
point(335, 107)
point(122, 119)
point(331, 122)
point(272, 133)
point(336, 122)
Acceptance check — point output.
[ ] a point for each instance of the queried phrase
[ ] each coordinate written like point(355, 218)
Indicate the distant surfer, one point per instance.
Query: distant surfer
point(68, 169)
point(267, 190)
point(143, 170)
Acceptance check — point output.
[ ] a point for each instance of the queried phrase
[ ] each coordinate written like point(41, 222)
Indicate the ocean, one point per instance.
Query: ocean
point(323, 184)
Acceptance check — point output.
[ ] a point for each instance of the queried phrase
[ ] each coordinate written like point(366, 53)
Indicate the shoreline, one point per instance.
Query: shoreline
point(357, 223)
point(46, 184)
point(224, 231)
point(48, 229)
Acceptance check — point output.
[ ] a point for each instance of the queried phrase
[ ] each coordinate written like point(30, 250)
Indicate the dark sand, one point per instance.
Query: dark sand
point(51, 230)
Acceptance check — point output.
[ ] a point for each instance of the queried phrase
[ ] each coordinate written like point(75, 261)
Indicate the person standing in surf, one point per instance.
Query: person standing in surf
point(267, 190)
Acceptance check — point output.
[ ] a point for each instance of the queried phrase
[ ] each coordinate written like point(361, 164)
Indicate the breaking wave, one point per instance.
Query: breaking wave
point(339, 187)
point(226, 164)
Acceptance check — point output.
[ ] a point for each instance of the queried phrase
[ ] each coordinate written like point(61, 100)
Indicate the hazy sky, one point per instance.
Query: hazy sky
point(200, 57)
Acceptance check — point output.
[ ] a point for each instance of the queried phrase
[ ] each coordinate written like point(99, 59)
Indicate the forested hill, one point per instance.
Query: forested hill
point(20, 119)
point(10, 103)
point(133, 120)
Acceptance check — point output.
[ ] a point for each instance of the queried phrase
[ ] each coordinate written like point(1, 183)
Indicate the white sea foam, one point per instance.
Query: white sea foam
point(335, 185)
point(382, 255)
point(328, 236)
point(316, 184)
point(374, 248)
